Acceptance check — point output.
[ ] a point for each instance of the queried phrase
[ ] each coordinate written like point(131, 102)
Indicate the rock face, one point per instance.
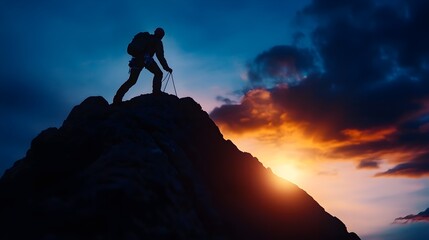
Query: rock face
point(154, 167)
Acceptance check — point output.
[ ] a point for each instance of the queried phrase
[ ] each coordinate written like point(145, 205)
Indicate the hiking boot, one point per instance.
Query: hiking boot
point(117, 100)
point(156, 92)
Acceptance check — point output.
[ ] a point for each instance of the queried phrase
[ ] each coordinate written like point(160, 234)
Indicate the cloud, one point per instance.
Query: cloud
point(415, 167)
point(254, 111)
point(225, 100)
point(328, 173)
point(369, 164)
point(364, 86)
point(281, 65)
point(419, 217)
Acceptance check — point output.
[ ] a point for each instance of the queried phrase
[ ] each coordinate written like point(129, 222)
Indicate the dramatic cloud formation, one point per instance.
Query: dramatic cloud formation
point(280, 65)
point(362, 93)
point(420, 217)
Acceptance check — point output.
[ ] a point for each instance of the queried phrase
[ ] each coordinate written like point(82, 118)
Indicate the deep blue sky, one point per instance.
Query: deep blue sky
point(54, 54)
point(345, 66)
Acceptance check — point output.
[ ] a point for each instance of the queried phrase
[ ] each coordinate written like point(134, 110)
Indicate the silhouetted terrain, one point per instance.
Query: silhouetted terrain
point(154, 167)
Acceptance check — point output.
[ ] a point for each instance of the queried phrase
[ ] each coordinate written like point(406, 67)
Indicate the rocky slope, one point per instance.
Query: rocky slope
point(154, 167)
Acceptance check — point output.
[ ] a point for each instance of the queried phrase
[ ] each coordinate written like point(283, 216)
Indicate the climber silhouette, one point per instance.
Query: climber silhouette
point(144, 59)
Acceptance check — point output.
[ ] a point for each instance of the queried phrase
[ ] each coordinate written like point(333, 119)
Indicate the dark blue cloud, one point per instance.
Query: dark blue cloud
point(371, 59)
point(369, 163)
point(281, 65)
point(419, 217)
point(414, 167)
point(374, 74)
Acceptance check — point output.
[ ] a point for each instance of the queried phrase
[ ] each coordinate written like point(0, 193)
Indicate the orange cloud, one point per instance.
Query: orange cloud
point(261, 117)
point(255, 111)
point(356, 136)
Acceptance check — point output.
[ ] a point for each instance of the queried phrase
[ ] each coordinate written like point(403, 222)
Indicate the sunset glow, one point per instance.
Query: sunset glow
point(335, 184)
point(331, 95)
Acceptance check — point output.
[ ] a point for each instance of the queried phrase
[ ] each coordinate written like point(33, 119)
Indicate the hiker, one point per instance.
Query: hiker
point(145, 59)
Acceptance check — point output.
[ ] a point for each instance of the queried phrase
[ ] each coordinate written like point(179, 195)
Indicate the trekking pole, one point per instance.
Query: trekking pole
point(165, 77)
point(170, 75)
point(168, 79)
point(174, 85)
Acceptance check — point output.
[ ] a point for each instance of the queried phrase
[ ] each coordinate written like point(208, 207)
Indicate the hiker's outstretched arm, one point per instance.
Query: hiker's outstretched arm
point(161, 58)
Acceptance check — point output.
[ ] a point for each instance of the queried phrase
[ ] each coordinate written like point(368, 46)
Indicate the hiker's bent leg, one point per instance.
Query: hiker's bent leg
point(157, 77)
point(134, 75)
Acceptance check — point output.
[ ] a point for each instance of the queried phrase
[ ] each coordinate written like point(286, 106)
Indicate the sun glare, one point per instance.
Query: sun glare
point(287, 171)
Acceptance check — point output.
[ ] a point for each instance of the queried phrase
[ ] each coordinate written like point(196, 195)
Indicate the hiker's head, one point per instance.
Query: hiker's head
point(159, 33)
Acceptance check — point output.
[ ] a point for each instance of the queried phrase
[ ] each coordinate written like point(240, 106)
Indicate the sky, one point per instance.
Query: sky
point(332, 95)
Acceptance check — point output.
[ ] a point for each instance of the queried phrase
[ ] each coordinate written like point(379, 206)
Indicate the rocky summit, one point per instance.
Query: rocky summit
point(153, 167)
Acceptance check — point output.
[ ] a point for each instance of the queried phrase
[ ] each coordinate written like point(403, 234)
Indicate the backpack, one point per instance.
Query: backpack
point(138, 45)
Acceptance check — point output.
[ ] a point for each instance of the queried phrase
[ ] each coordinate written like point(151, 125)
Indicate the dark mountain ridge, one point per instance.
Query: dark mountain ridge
point(154, 167)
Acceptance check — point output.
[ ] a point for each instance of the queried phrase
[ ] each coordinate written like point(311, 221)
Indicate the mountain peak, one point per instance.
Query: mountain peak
point(154, 167)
